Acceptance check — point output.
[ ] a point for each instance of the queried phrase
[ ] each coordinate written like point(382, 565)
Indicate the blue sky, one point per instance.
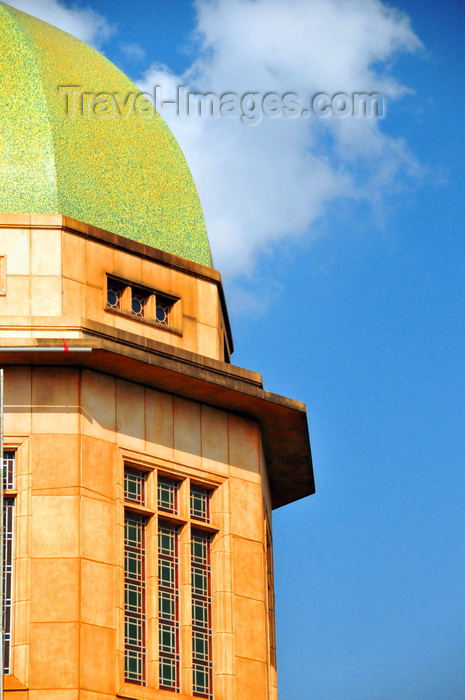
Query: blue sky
point(349, 298)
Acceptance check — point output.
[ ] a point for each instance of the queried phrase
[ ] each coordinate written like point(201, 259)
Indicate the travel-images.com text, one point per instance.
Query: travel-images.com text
point(250, 107)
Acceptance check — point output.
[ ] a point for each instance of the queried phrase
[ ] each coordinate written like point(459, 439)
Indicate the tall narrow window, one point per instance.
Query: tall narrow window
point(8, 555)
point(201, 615)
point(8, 513)
point(134, 580)
point(168, 606)
point(134, 618)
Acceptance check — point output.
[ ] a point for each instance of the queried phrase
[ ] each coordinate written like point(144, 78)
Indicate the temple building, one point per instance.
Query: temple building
point(141, 467)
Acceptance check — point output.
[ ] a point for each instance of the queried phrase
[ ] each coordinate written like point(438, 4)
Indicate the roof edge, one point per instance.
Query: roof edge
point(283, 421)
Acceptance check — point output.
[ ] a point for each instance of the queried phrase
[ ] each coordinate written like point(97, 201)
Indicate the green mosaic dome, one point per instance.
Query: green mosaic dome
point(126, 174)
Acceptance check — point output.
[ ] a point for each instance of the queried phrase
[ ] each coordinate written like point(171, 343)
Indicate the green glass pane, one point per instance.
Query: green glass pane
point(199, 613)
point(166, 604)
point(133, 565)
point(132, 489)
point(167, 673)
point(133, 632)
point(200, 646)
point(199, 551)
point(199, 581)
point(166, 543)
point(200, 680)
point(166, 573)
point(167, 641)
point(133, 599)
point(165, 497)
point(133, 534)
point(198, 506)
point(133, 665)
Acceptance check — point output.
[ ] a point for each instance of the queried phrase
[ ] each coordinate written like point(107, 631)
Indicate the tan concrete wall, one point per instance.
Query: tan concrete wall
point(55, 278)
point(74, 429)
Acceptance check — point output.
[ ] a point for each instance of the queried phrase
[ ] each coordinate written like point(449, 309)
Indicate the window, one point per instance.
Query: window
point(168, 587)
point(201, 595)
point(134, 580)
point(8, 471)
point(200, 503)
point(114, 294)
point(167, 495)
point(180, 513)
point(163, 308)
point(139, 302)
point(168, 606)
point(8, 555)
point(201, 614)
point(142, 303)
point(134, 486)
point(134, 623)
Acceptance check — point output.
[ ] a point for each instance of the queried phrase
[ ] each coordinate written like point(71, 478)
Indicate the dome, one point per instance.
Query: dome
point(127, 174)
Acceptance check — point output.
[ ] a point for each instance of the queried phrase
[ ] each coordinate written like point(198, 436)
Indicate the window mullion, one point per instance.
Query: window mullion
point(135, 622)
point(168, 606)
point(201, 614)
point(134, 590)
point(9, 478)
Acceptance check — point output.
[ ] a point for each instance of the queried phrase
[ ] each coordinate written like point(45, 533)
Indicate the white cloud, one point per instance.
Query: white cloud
point(133, 51)
point(273, 181)
point(86, 24)
point(259, 184)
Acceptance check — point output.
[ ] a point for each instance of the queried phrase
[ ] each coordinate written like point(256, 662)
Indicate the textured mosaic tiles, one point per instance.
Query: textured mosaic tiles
point(126, 175)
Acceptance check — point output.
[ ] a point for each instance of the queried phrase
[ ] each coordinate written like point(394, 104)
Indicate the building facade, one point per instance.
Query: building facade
point(141, 467)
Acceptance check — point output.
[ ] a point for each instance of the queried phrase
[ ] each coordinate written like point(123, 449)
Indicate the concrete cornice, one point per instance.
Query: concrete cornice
point(283, 421)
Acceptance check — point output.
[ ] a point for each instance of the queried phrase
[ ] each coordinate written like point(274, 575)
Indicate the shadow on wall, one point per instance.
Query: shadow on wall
point(73, 401)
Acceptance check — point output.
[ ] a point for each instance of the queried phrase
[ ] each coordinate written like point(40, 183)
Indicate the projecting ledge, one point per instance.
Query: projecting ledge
point(131, 691)
point(13, 683)
point(283, 421)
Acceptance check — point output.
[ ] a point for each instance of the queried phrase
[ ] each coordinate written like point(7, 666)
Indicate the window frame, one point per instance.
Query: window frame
point(150, 296)
point(10, 492)
point(135, 581)
point(179, 519)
